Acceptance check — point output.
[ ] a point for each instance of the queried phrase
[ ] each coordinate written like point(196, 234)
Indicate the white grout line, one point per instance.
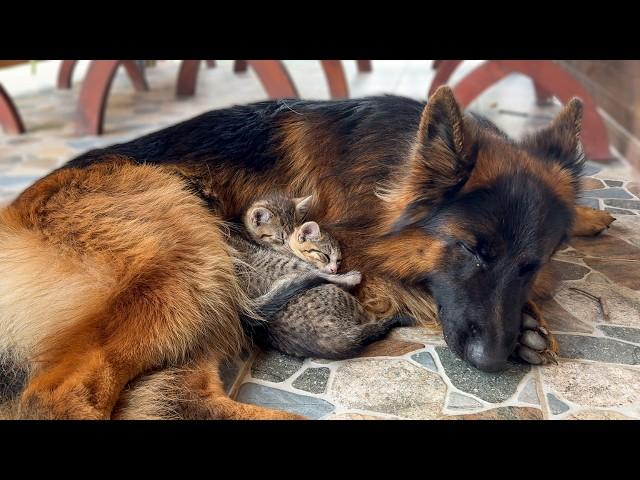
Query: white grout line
point(536, 374)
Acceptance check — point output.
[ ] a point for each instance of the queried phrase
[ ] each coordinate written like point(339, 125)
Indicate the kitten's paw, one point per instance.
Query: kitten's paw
point(349, 279)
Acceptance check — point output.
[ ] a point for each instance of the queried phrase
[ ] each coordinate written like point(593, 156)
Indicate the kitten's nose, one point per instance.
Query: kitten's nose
point(333, 269)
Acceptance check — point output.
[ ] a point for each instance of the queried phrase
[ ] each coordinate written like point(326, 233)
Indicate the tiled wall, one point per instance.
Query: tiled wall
point(615, 86)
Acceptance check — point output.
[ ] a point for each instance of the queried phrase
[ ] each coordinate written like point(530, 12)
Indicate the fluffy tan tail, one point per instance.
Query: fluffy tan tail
point(41, 289)
point(191, 392)
point(106, 272)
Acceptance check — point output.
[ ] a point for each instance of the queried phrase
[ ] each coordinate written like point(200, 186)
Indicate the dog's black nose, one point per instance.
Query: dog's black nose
point(484, 359)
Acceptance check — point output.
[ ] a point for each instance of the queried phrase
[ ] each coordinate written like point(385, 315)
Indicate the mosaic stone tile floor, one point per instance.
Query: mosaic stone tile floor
point(595, 313)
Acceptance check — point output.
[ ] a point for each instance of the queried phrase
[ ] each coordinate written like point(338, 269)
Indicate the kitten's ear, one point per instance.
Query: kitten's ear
point(308, 231)
point(260, 216)
point(302, 204)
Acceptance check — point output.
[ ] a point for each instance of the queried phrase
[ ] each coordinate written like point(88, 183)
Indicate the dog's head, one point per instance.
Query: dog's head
point(475, 217)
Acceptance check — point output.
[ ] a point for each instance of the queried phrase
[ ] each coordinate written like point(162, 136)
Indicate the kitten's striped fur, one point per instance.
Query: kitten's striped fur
point(322, 321)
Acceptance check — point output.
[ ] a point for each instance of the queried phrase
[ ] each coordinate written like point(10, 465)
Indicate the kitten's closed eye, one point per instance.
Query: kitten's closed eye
point(323, 257)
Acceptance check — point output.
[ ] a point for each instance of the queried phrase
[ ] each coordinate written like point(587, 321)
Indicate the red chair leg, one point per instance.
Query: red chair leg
point(553, 79)
point(240, 66)
point(336, 78)
point(211, 63)
point(187, 78)
point(444, 71)
point(364, 66)
point(136, 75)
point(9, 116)
point(93, 96)
point(274, 78)
point(65, 74)
point(447, 67)
point(95, 91)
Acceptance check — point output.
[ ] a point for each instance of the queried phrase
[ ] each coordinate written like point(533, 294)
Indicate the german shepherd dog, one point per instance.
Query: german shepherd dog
point(117, 291)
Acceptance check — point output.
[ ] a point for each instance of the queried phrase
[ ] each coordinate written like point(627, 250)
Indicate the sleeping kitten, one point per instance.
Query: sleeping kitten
point(305, 315)
point(316, 247)
point(271, 220)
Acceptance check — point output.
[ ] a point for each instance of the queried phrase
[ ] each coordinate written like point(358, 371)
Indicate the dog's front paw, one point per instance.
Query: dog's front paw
point(536, 344)
point(590, 222)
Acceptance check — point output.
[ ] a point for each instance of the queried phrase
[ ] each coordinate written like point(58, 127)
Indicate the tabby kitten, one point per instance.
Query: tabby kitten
point(308, 312)
point(316, 247)
point(270, 221)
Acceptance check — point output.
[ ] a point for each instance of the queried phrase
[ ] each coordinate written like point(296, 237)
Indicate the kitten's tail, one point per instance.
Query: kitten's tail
point(267, 305)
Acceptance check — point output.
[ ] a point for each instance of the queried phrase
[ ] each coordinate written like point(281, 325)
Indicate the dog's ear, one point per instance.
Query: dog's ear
point(260, 216)
point(441, 127)
point(302, 205)
point(560, 141)
point(439, 165)
point(308, 231)
point(442, 159)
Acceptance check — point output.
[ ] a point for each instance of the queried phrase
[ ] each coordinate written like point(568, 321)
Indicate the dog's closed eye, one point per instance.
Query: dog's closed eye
point(528, 268)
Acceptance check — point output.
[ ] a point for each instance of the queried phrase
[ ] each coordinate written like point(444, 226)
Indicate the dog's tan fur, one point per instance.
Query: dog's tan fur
point(115, 270)
point(190, 392)
point(109, 272)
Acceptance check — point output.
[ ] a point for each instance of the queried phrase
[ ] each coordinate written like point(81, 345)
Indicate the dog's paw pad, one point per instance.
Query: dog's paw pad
point(533, 340)
point(535, 343)
point(528, 322)
point(529, 356)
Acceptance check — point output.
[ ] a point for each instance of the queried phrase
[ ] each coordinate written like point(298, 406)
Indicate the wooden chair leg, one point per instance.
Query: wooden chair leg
point(93, 96)
point(136, 75)
point(447, 67)
point(95, 91)
point(272, 74)
point(274, 78)
point(364, 66)
point(9, 116)
point(336, 78)
point(240, 66)
point(554, 80)
point(187, 78)
point(211, 63)
point(444, 71)
point(65, 74)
